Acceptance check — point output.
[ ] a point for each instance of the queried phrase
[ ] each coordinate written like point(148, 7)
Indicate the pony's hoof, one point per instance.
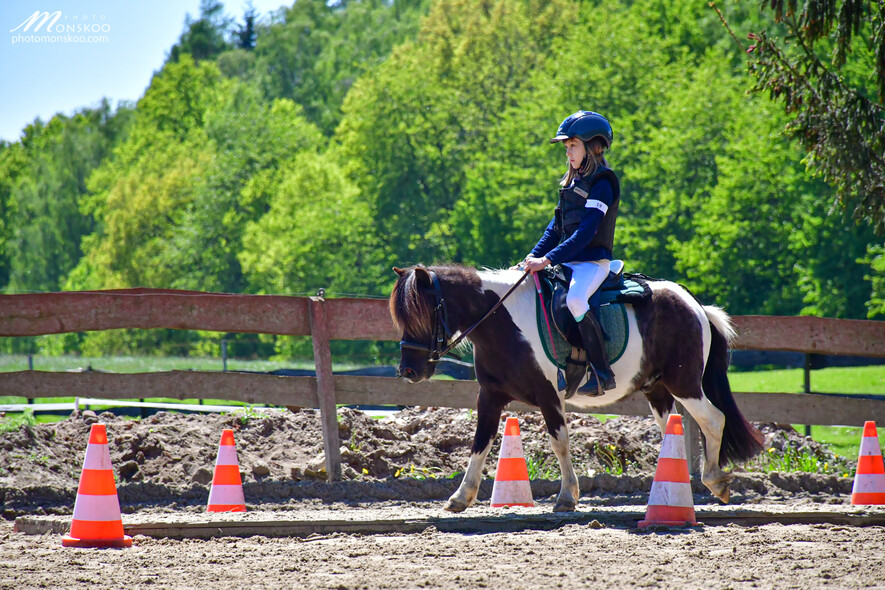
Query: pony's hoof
point(721, 491)
point(564, 507)
point(455, 505)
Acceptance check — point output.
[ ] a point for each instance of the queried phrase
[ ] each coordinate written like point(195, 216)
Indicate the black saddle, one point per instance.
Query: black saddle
point(618, 287)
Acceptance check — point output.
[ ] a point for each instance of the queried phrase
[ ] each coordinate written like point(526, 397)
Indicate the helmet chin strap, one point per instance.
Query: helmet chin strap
point(582, 169)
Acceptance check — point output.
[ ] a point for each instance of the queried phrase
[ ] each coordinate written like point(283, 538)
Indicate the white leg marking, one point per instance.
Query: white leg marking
point(661, 419)
point(569, 492)
point(465, 495)
point(711, 422)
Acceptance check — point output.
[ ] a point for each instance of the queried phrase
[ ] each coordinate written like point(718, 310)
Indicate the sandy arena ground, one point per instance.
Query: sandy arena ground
point(396, 470)
point(574, 556)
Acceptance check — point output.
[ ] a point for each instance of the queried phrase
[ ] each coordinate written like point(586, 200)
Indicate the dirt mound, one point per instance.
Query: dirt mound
point(417, 452)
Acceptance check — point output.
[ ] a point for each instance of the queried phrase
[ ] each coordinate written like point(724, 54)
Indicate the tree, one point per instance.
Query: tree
point(252, 140)
point(416, 124)
point(206, 37)
point(12, 163)
point(54, 160)
point(317, 52)
point(140, 196)
point(245, 35)
point(875, 258)
point(826, 62)
point(317, 232)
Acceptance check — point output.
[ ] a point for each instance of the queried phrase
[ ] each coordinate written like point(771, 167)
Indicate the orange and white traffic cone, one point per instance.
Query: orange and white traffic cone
point(226, 494)
point(97, 521)
point(670, 502)
point(512, 487)
point(869, 481)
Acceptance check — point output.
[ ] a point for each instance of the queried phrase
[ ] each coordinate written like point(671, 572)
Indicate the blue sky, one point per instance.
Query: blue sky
point(41, 78)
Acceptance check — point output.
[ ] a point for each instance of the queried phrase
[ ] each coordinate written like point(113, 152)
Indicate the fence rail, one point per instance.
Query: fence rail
point(360, 319)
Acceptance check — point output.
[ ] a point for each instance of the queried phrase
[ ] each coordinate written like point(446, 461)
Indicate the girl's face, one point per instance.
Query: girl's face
point(574, 151)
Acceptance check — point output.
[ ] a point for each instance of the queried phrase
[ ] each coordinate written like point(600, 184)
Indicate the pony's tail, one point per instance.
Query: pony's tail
point(740, 439)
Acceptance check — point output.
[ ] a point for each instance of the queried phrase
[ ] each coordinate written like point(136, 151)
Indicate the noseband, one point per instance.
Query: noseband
point(441, 333)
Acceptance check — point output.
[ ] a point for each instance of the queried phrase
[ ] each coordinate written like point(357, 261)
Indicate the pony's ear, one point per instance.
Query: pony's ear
point(399, 271)
point(422, 278)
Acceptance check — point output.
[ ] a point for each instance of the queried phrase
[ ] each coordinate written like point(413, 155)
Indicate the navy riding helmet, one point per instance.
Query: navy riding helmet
point(585, 125)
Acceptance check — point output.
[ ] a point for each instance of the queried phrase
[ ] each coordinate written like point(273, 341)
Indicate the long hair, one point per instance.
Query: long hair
point(594, 157)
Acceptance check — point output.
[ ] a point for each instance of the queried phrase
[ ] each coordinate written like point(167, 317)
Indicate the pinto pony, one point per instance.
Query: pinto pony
point(677, 349)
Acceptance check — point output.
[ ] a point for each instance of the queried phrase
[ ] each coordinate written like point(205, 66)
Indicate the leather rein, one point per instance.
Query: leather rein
point(441, 332)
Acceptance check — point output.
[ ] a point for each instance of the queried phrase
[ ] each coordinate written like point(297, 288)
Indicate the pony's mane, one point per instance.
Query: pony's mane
point(411, 309)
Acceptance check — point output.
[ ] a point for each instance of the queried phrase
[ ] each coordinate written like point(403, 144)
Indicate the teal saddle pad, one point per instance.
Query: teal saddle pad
point(612, 318)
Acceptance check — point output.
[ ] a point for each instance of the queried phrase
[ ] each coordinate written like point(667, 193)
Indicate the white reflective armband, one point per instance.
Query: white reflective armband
point(594, 204)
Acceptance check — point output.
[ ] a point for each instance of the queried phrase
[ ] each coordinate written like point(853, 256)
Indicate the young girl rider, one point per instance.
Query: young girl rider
point(581, 233)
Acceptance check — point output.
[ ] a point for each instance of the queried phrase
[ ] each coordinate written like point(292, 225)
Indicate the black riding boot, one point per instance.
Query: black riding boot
point(600, 377)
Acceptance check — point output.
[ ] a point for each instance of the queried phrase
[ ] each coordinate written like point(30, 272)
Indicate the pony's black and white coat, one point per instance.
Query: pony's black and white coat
point(677, 348)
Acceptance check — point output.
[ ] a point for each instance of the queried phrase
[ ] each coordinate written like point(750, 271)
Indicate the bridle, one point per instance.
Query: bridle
point(441, 334)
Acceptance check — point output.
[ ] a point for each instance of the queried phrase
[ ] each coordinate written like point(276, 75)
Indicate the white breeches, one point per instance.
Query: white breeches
point(586, 278)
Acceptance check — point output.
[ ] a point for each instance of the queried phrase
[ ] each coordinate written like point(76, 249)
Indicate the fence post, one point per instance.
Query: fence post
point(692, 439)
point(30, 368)
point(807, 386)
point(322, 357)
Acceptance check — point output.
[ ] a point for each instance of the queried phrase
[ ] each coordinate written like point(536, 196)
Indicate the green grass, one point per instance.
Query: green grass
point(15, 422)
point(843, 440)
point(830, 380)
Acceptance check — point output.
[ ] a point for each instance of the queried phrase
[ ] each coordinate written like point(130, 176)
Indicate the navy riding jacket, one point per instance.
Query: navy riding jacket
point(576, 248)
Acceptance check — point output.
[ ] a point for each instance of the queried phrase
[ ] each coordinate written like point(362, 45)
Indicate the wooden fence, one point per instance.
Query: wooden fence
point(360, 319)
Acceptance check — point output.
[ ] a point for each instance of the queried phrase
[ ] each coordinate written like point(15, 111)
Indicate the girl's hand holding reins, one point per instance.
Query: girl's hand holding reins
point(533, 265)
point(519, 265)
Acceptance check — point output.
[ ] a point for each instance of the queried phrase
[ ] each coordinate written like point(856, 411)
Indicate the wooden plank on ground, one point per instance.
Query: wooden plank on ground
point(513, 522)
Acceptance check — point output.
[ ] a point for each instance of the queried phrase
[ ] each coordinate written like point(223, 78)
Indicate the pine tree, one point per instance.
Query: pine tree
point(828, 68)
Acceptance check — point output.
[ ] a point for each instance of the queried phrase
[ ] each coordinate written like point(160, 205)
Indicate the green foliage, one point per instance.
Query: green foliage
point(251, 142)
point(541, 466)
point(440, 99)
point(13, 423)
point(141, 195)
point(875, 258)
point(612, 459)
point(319, 49)
point(44, 177)
point(315, 220)
point(421, 473)
point(793, 457)
point(247, 414)
point(826, 62)
point(206, 37)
